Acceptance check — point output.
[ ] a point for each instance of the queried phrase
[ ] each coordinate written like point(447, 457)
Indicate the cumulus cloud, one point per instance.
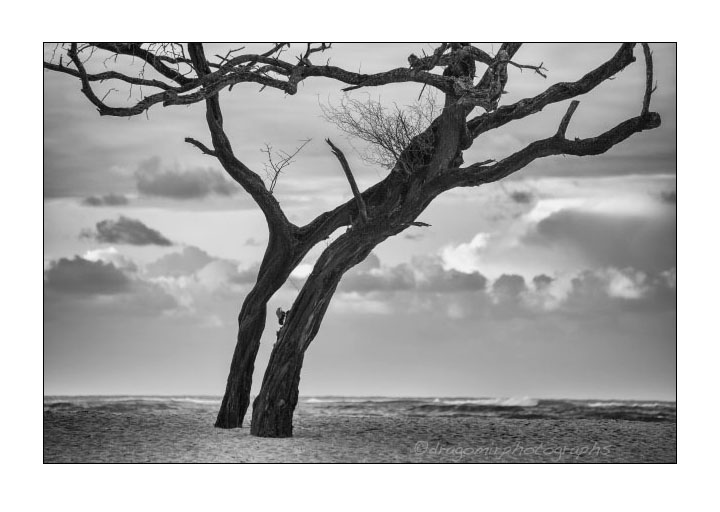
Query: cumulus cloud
point(110, 255)
point(80, 276)
point(125, 231)
point(509, 287)
point(189, 260)
point(424, 275)
point(114, 288)
point(356, 303)
point(386, 279)
point(624, 290)
point(425, 287)
point(196, 183)
point(435, 278)
point(106, 200)
point(221, 272)
point(626, 285)
point(642, 242)
point(199, 282)
point(464, 257)
point(542, 281)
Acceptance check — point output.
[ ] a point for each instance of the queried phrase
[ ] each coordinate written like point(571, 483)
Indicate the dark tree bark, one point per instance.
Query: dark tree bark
point(430, 165)
point(274, 406)
point(274, 271)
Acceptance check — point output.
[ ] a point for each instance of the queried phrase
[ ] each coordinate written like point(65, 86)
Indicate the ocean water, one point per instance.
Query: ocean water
point(363, 429)
point(511, 408)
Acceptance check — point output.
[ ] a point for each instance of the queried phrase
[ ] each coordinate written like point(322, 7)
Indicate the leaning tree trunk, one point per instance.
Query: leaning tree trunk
point(439, 148)
point(278, 262)
point(274, 405)
point(251, 323)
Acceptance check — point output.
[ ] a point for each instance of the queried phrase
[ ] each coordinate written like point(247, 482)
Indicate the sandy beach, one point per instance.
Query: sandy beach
point(163, 433)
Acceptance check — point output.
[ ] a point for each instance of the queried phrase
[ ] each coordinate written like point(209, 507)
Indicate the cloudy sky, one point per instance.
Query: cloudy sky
point(557, 282)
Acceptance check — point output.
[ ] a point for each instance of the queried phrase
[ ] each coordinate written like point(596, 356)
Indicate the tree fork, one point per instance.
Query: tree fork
point(275, 404)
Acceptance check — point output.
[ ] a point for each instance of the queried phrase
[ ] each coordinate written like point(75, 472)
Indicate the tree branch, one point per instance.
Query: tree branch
point(358, 80)
point(239, 69)
point(136, 50)
point(362, 209)
point(555, 93)
point(202, 147)
point(506, 50)
point(649, 89)
point(538, 69)
point(479, 174)
point(566, 118)
point(244, 69)
point(250, 181)
point(109, 75)
point(273, 168)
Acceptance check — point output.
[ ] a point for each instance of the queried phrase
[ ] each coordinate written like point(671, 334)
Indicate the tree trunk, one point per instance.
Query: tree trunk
point(439, 148)
point(236, 400)
point(278, 262)
point(274, 406)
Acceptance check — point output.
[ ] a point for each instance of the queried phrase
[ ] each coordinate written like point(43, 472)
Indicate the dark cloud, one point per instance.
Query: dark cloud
point(100, 285)
point(188, 261)
point(669, 196)
point(542, 281)
point(621, 291)
point(509, 287)
point(369, 276)
point(522, 197)
point(83, 277)
point(437, 279)
point(194, 183)
point(106, 200)
point(589, 294)
point(646, 243)
point(125, 231)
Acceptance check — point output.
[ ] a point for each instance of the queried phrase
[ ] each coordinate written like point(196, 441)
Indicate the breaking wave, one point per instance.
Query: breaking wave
point(497, 402)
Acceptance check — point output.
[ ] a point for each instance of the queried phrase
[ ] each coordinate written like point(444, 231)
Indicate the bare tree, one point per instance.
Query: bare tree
point(429, 164)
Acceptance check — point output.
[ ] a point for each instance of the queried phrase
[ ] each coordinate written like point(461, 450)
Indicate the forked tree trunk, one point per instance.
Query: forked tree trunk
point(274, 406)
